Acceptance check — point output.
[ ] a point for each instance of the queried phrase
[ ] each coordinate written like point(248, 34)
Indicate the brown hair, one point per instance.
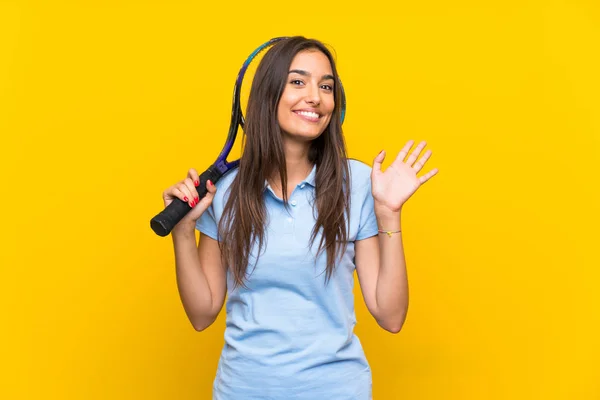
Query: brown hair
point(244, 215)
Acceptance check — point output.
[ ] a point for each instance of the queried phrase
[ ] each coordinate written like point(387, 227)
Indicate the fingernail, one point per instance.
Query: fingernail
point(185, 199)
point(196, 183)
point(197, 200)
point(210, 183)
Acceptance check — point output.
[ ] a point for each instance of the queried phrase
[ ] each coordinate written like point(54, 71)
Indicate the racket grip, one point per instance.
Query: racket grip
point(164, 222)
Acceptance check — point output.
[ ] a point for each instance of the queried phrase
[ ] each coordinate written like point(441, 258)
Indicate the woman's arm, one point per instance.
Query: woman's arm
point(380, 261)
point(201, 278)
point(381, 270)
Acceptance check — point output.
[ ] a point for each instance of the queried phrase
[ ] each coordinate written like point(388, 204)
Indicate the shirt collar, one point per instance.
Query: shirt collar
point(310, 179)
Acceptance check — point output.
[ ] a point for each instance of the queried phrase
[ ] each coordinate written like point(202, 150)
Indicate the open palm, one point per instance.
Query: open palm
point(394, 186)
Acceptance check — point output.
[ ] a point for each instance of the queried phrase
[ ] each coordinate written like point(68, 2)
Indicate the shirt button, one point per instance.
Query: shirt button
point(302, 186)
point(293, 202)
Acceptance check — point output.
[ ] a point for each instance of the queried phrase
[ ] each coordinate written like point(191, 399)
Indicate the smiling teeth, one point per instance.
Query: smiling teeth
point(309, 114)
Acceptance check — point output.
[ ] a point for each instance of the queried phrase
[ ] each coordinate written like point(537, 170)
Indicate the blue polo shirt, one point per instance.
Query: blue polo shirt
point(289, 334)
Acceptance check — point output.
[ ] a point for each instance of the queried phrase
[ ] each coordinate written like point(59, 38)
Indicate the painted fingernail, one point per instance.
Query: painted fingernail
point(196, 183)
point(197, 200)
point(185, 199)
point(210, 183)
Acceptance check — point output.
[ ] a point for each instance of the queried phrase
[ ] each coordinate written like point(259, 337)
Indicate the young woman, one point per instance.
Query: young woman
point(283, 233)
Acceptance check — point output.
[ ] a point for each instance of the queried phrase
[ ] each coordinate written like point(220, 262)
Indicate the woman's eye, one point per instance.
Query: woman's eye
point(329, 88)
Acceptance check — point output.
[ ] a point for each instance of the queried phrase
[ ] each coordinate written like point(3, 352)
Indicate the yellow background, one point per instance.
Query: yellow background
point(105, 104)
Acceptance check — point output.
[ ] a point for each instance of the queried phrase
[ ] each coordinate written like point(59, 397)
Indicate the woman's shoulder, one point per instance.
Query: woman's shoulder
point(223, 188)
point(227, 178)
point(359, 166)
point(360, 172)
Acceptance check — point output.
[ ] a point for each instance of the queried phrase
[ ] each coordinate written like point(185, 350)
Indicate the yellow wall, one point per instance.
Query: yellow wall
point(104, 104)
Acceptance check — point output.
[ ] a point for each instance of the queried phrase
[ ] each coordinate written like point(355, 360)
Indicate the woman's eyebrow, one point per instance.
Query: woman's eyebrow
point(306, 73)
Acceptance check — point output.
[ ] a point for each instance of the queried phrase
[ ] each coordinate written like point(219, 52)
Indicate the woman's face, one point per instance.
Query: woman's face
point(307, 102)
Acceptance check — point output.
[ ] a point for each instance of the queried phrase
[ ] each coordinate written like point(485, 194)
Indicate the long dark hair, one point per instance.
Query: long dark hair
point(243, 222)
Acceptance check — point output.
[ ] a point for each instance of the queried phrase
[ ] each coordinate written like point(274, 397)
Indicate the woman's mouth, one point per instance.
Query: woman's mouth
point(309, 116)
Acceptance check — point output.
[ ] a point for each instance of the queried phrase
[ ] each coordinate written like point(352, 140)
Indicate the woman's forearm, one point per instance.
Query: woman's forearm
point(392, 281)
point(192, 283)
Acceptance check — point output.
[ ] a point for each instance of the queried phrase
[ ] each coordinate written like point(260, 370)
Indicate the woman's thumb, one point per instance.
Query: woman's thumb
point(211, 190)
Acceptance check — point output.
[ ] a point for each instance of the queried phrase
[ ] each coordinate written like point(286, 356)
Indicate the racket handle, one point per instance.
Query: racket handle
point(164, 222)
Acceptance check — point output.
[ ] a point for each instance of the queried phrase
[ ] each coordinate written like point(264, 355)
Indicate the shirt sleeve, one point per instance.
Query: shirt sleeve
point(367, 226)
point(207, 223)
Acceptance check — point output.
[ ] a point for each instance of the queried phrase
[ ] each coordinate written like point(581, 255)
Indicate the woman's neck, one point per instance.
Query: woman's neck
point(298, 167)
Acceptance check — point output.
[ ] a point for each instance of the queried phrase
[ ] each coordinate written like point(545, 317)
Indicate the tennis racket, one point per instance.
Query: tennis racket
point(165, 221)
